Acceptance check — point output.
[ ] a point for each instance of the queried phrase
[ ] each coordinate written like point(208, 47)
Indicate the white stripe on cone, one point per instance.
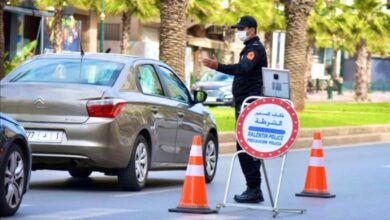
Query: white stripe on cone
point(317, 162)
point(196, 151)
point(317, 144)
point(195, 170)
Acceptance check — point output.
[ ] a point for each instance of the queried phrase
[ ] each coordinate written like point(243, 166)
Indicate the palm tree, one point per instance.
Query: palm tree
point(297, 12)
point(328, 29)
point(58, 6)
point(145, 10)
point(2, 57)
point(225, 16)
point(266, 12)
point(369, 25)
point(270, 18)
point(173, 34)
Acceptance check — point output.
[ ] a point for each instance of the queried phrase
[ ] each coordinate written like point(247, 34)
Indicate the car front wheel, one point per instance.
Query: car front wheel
point(210, 152)
point(133, 177)
point(13, 172)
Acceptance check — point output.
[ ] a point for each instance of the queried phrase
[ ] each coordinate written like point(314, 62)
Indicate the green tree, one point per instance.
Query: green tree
point(328, 28)
point(226, 15)
point(297, 12)
point(173, 34)
point(269, 18)
point(370, 27)
point(59, 6)
point(145, 10)
point(202, 11)
point(266, 12)
point(2, 43)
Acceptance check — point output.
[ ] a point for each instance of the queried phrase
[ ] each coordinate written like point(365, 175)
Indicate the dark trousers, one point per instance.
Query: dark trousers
point(250, 166)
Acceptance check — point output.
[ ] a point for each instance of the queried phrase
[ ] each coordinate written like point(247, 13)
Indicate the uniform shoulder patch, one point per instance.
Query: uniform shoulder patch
point(250, 55)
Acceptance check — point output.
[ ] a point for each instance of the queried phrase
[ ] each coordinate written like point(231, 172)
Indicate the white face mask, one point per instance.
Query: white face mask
point(241, 35)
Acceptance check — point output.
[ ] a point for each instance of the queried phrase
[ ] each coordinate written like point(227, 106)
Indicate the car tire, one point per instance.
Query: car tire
point(134, 176)
point(80, 173)
point(210, 152)
point(15, 187)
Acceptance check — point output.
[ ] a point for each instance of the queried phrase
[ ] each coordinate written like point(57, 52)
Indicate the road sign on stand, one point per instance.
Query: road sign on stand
point(266, 128)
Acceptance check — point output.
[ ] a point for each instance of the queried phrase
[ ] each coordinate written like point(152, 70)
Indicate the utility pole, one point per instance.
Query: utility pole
point(102, 17)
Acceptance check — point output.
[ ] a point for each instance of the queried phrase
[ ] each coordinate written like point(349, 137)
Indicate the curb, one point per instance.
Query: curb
point(334, 136)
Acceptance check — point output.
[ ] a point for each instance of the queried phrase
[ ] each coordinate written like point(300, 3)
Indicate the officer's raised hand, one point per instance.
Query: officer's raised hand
point(211, 63)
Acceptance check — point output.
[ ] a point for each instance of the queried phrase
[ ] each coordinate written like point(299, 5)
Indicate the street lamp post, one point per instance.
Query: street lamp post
point(102, 16)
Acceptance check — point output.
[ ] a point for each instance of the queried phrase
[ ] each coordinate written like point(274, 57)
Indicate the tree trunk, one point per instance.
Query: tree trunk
point(57, 28)
point(361, 81)
point(268, 46)
point(227, 40)
point(309, 63)
point(126, 19)
point(334, 62)
point(173, 34)
point(297, 12)
point(369, 65)
point(2, 58)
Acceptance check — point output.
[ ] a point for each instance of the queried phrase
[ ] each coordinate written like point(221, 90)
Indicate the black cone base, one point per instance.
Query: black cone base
point(318, 195)
point(194, 210)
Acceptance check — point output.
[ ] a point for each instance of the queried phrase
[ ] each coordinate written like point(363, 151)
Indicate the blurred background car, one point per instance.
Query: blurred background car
point(15, 165)
point(117, 114)
point(218, 87)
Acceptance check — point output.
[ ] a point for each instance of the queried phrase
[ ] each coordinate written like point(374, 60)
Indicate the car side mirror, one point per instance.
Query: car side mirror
point(199, 96)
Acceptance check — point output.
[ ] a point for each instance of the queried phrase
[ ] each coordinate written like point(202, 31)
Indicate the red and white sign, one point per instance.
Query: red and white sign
point(267, 128)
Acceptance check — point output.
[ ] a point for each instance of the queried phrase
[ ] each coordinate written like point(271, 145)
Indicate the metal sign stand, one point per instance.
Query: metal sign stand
point(274, 203)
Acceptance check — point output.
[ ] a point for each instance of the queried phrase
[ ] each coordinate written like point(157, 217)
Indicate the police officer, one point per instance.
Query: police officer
point(247, 82)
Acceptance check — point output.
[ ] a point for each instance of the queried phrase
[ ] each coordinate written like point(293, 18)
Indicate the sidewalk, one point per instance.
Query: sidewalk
point(348, 96)
point(336, 136)
point(332, 136)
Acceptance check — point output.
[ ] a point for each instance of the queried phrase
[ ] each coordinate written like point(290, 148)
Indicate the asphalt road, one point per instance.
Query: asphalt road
point(359, 175)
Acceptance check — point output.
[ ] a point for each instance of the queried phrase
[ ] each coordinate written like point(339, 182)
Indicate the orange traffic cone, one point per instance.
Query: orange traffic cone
point(194, 196)
point(315, 185)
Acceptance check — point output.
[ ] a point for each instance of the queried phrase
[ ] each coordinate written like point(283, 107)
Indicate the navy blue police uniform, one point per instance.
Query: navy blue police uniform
point(248, 82)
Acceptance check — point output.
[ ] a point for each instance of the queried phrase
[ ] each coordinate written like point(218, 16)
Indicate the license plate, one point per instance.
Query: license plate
point(44, 136)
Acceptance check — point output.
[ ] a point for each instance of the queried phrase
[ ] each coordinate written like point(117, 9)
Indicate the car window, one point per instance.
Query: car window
point(89, 71)
point(175, 87)
point(148, 80)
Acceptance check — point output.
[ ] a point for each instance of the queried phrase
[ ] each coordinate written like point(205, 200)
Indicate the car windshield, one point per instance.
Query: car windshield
point(215, 76)
point(87, 71)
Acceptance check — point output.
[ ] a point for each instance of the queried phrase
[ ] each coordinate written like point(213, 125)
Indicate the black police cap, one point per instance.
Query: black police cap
point(246, 21)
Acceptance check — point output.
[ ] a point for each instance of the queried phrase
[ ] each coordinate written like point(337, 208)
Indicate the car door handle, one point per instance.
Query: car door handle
point(180, 114)
point(154, 109)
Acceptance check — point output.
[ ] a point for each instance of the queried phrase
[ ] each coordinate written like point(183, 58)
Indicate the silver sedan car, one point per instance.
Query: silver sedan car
point(117, 114)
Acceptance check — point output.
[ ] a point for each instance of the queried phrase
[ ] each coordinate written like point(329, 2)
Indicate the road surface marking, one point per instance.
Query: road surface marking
point(146, 193)
point(26, 205)
point(206, 217)
point(386, 166)
point(76, 214)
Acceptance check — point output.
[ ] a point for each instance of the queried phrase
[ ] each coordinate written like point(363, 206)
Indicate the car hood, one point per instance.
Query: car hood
point(211, 85)
point(7, 118)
